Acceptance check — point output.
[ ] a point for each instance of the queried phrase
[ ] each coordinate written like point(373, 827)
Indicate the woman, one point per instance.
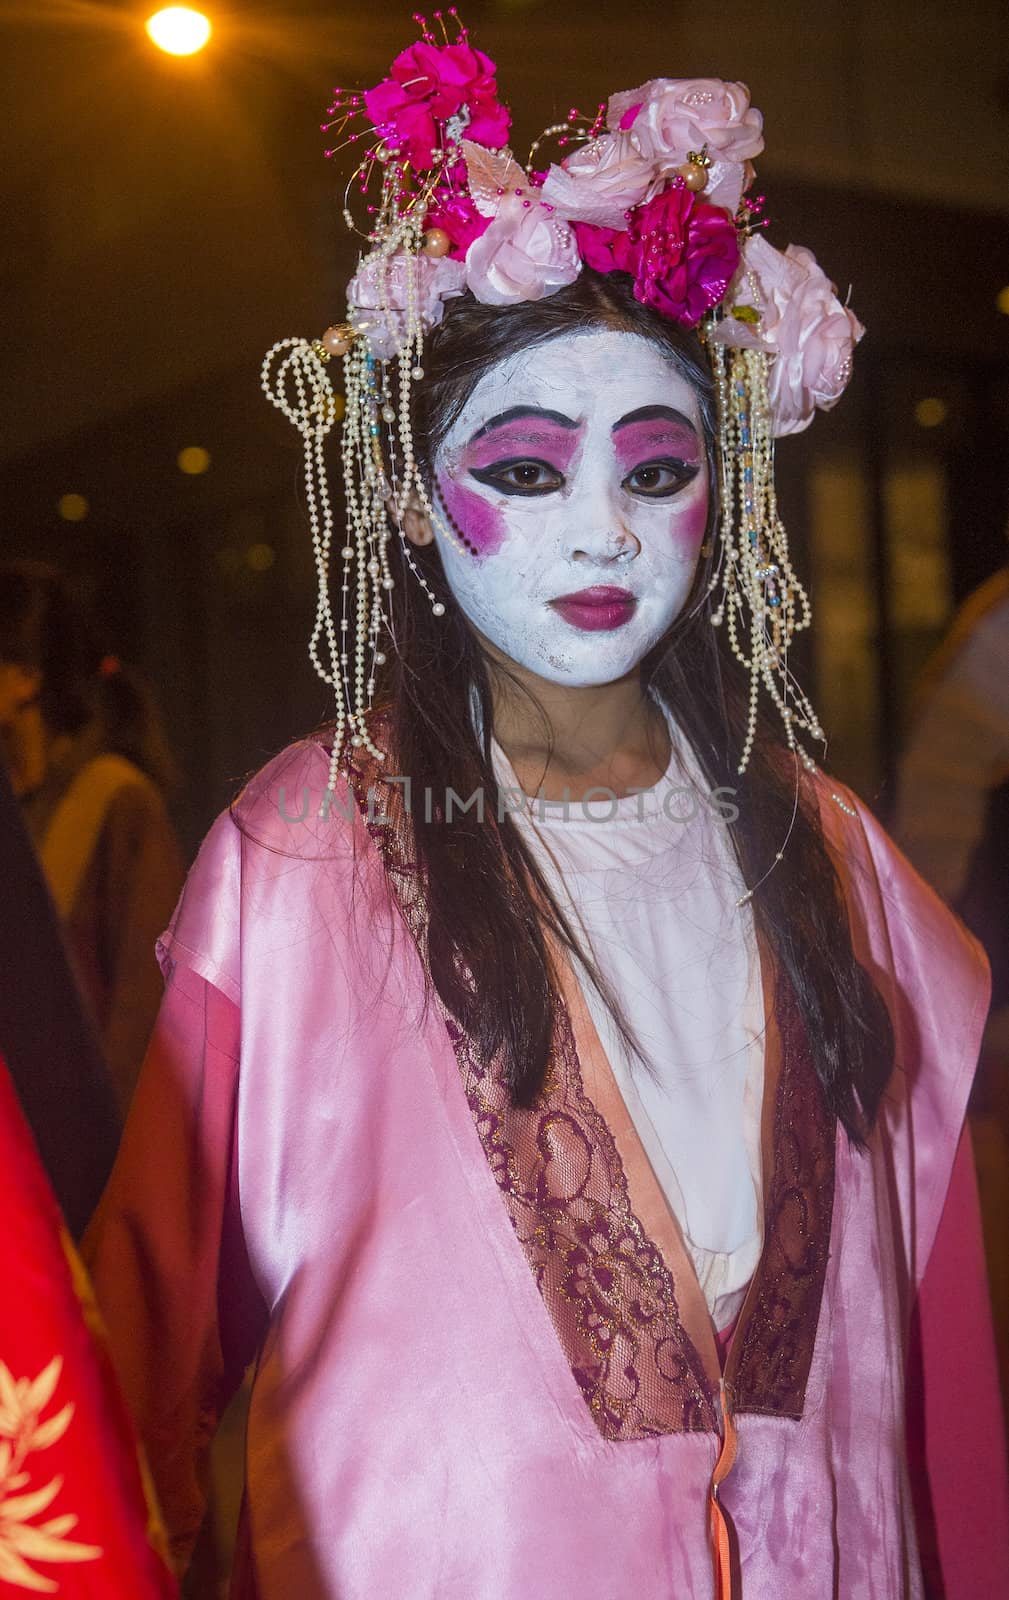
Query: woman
point(88, 761)
point(570, 1168)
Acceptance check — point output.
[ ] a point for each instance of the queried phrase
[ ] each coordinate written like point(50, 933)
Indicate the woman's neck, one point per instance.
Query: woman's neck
point(566, 740)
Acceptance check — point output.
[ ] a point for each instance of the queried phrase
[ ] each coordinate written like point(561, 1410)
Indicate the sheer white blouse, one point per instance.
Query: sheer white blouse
point(651, 886)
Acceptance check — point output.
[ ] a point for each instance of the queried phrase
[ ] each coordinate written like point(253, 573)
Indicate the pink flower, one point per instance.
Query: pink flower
point(429, 84)
point(454, 210)
point(527, 252)
point(681, 253)
point(378, 296)
point(669, 118)
point(601, 181)
point(802, 324)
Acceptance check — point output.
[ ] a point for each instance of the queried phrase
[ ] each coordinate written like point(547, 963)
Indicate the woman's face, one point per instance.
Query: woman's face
point(577, 474)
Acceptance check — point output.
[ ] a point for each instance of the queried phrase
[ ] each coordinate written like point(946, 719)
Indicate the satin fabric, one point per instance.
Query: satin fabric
point(415, 1430)
point(65, 1528)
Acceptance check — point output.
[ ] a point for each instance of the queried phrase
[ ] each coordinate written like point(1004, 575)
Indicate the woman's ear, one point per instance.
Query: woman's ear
point(415, 522)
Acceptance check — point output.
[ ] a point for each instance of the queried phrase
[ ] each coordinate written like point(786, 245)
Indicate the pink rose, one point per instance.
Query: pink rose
point(427, 85)
point(802, 324)
point(601, 181)
point(378, 295)
point(527, 252)
point(681, 252)
point(670, 117)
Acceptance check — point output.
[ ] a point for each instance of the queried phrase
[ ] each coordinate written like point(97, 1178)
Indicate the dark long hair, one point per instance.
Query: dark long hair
point(488, 901)
point(45, 629)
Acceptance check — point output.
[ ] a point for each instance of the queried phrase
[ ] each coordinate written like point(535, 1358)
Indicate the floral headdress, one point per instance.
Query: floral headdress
point(656, 186)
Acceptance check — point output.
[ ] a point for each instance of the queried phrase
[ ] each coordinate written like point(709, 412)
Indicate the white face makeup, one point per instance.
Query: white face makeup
point(576, 475)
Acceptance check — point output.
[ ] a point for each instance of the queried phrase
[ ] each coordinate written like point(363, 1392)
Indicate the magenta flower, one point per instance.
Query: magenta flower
point(454, 211)
point(427, 85)
point(680, 252)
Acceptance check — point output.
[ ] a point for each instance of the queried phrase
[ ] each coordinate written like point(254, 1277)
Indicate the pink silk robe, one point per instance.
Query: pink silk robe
point(478, 1376)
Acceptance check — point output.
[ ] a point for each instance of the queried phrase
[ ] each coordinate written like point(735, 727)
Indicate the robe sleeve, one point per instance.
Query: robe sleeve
point(956, 1433)
point(166, 1248)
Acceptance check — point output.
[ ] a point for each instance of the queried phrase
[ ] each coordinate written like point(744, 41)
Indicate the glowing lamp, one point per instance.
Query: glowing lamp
point(178, 30)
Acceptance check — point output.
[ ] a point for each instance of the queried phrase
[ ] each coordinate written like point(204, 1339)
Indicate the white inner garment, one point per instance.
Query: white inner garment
point(654, 898)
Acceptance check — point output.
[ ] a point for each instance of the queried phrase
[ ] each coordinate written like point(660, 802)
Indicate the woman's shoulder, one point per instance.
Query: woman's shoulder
point(288, 804)
point(282, 823)
point(910, 933)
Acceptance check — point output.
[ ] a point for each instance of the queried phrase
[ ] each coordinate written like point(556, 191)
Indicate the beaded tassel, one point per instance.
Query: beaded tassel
point(762, 603)
point(294, 379)
point(381, 476)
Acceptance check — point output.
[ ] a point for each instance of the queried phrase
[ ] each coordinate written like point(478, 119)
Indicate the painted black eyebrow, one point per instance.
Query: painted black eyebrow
point(524, 411)
point(654, 414)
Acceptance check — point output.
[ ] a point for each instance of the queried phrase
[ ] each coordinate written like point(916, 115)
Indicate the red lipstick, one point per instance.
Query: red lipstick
point(593, 610)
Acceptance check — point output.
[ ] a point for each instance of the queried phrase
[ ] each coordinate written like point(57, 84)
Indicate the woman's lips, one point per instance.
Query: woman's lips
point(595, 609)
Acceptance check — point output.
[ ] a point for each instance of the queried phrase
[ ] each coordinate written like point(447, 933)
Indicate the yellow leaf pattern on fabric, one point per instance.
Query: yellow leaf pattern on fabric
point(22, 1432)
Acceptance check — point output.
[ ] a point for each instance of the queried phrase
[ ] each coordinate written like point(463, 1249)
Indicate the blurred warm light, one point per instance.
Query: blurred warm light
point(260, 557)
point(179, 30)
point(1002, 300)
point(72, 507)
point(193, 460)
point(930, 413)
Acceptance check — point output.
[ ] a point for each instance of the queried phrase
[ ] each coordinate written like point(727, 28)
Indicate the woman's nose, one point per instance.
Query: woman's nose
point(608, 544)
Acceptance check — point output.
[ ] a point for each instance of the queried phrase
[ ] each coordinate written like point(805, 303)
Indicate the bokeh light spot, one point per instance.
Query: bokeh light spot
point(72, 507)
point(930, 412)
point(193, 460)
point(1002, 300)
point(260, 557)
point(178, 30)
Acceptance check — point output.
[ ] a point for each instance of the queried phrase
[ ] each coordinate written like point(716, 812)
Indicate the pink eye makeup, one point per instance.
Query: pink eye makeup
point(657, 450)
point(524, 451)
point(480, 523)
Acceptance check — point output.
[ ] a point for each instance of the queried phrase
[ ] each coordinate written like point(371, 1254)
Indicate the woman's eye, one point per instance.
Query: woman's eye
point(659, 479)
point(520, 477)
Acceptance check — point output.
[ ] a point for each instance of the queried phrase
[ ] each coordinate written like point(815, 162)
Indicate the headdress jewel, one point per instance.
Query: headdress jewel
point(656, 186)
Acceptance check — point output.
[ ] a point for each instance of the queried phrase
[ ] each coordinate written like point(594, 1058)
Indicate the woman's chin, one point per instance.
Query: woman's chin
point(591, 664)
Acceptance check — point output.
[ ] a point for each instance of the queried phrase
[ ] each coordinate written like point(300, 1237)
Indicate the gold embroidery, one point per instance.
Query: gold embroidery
point(22, 1433)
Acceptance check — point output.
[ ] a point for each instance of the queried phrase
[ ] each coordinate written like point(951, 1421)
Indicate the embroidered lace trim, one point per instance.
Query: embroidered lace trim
point(774, 1345)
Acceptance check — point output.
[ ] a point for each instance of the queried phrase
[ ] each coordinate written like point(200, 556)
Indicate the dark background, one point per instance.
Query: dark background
point(165, 220)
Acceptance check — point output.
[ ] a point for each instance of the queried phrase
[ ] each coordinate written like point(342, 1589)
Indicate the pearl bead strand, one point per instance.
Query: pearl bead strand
point(312, 410)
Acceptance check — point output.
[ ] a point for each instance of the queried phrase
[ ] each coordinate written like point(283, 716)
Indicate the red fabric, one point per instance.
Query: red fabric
point(956, 1431)
point(723, 1339)
point(73, 1512)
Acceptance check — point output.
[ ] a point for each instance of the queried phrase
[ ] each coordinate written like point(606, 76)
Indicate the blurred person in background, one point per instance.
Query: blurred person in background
point(49, 1043)
point(952, 820)
point(89, 763)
